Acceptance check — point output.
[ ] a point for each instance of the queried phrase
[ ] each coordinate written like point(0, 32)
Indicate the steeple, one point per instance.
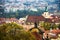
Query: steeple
point(46, 13)
point(46, 9)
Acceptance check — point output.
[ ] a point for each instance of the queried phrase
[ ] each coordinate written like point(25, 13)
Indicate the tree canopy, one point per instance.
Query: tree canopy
point(13, 31)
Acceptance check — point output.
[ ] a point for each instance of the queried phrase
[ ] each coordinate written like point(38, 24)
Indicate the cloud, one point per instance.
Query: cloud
point(33, 9)
point(51, 0)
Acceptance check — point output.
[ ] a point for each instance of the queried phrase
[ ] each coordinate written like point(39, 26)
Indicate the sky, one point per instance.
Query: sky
point(51, 3)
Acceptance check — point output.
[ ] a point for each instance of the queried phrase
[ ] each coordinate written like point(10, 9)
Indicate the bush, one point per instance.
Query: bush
point(13, 31)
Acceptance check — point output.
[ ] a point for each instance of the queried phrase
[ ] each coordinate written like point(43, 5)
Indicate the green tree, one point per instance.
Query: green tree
point(45, 25)
point(59, 26)
point(13, 31)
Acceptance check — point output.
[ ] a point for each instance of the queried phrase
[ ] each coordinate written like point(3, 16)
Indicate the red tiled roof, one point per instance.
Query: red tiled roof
point(35, 18)
point(56, 31)
point(48, 20)
point(2, 20)
point(12, 19)
point(41, 18)
point(56, 18)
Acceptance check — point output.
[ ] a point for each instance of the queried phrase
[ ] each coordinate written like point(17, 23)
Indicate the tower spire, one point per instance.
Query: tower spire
point(46, 9)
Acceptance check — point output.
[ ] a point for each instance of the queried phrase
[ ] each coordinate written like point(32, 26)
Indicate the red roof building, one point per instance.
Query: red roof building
point(9, 20)
point(35, 18)
point(54, 18)
point(2, 20)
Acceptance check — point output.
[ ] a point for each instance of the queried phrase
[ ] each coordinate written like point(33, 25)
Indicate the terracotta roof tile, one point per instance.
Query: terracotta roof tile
point(41, 18)
point(35, 18)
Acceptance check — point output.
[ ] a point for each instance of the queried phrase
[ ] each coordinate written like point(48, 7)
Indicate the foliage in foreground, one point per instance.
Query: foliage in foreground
point(47, 25)
point(13, 31)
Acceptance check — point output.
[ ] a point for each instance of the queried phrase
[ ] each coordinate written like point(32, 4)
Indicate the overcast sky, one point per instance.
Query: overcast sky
point(52, 3)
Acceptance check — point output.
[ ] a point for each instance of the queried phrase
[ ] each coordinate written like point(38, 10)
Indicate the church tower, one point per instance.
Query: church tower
point(46, 13)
